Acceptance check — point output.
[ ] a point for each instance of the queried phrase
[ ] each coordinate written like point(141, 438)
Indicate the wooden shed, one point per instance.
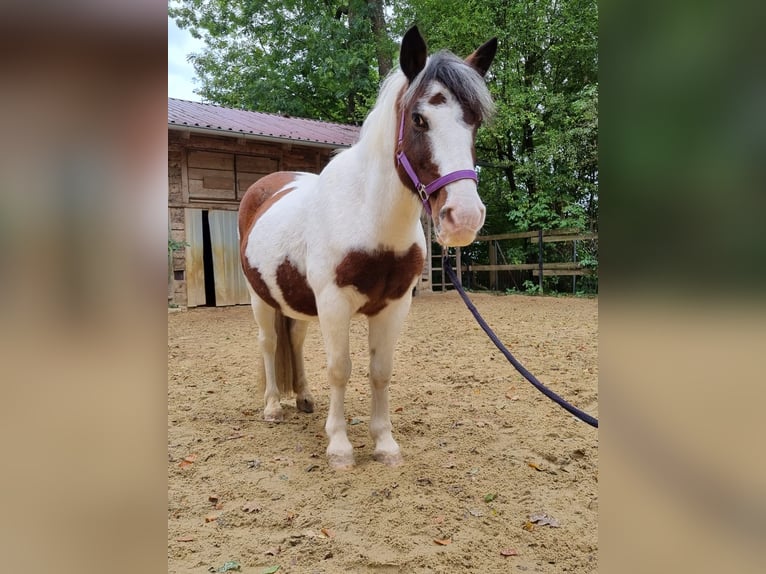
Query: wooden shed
point(214, 155)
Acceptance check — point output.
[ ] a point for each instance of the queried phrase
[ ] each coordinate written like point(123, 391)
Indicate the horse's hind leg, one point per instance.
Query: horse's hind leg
point(304, 401)
point(384, 331)
point(267, 341)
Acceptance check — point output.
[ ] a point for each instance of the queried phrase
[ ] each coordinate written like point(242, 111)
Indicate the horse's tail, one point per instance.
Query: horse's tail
point(284, 358)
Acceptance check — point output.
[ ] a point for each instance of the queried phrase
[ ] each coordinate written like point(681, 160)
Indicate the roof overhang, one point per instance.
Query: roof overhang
point(254, 136)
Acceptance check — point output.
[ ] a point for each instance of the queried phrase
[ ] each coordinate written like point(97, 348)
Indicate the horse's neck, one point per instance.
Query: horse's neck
point(390, 206)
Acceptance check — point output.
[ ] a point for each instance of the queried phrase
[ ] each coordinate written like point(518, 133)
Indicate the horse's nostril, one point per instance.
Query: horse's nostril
point(446, 214)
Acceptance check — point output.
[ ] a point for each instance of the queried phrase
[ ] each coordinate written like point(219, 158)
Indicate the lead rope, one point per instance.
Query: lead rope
point(583, 416)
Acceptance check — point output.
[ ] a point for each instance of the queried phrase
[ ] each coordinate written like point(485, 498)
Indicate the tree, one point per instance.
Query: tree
point(320, 60)
point(539, 154)
point(538, 157)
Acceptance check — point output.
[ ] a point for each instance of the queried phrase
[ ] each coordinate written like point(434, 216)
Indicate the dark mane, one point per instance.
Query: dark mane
point(465, 83)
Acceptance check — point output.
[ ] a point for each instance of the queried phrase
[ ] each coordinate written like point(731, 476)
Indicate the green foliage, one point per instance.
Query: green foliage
point(542, 144)
point(174, 245)
point(297, 57)
point(538, 157)
point(531, 287)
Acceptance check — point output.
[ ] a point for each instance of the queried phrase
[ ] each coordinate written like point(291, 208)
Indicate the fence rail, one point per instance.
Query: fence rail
point(540, 269)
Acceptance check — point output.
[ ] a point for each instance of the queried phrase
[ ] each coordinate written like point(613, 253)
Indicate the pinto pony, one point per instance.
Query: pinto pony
point(350, 241)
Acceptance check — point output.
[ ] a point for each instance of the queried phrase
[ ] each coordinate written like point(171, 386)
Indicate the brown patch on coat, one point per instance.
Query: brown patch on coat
point(259, 285)
point(381, 275)
point(295, 288)
point(256, 201)
point(437, 99)
point(417, 150)
point(259, 197)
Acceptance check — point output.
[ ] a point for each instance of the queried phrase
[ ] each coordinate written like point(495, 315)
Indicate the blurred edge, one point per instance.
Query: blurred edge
point(682, 312)
point(82, 230)
point(82, 294)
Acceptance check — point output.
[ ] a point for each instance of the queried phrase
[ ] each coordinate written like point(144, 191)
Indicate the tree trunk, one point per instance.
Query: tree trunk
point(378, 22)
point(527, 135)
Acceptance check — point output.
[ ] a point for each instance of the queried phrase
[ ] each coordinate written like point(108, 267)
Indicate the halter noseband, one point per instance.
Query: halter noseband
point(425, 191)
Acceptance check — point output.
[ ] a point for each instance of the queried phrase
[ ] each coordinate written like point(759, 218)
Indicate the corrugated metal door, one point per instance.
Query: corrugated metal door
point(230, 285)
point(195, 267)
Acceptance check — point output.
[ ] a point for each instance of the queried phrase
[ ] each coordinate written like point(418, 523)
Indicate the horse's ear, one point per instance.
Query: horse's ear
point(412, 57)
point(483, 56)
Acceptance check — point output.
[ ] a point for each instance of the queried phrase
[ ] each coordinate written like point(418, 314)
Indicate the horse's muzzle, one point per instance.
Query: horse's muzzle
point(458, 222)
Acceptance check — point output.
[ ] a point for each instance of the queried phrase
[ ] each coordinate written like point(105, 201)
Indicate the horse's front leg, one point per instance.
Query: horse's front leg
point(334, 321)
point(384, 331)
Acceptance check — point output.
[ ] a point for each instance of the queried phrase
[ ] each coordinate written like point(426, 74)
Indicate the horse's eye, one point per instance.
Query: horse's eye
point(419, 121)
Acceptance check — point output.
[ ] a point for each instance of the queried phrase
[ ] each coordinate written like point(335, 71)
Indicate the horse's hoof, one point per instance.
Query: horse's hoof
point(340, 462)
point(305, 405)
point(389, 458)
point(274, 416)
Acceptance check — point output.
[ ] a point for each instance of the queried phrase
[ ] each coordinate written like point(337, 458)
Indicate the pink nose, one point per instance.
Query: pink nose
point(459, 226)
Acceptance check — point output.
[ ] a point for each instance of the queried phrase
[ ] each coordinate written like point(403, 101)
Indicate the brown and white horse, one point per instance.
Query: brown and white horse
point(350, 241)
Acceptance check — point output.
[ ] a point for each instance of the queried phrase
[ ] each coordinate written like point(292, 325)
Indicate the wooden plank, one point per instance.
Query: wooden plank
point(525, 266)
point(562, 231)
point(202, 173)
point(227, 143)
point(211, 160)
point(564, 265)
point(198, 191)
point(493, 265)
point(218, 182)
point(256, 164)
point(228, 206)
point(518, 235)
point(300, 159)
point(549, 272)
point(577, 237)
point(184, 177)
point(458, 267)
point(425, 283)
point(525, 234)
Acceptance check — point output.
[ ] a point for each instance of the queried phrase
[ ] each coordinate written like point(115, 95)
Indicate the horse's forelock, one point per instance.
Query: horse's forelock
point(465, 83)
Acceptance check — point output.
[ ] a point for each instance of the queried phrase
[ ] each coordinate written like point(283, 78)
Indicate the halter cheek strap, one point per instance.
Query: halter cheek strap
point(425, 191)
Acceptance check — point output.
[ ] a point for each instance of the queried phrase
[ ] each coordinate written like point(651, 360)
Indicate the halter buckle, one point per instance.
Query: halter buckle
point(422, 192)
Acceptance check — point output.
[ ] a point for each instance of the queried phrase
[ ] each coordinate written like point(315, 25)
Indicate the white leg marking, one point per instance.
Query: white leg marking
point(267, 340)
point(334, 320)
point(384, 331)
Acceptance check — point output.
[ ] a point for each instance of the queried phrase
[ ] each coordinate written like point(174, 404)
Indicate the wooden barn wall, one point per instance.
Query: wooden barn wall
point(212, 173)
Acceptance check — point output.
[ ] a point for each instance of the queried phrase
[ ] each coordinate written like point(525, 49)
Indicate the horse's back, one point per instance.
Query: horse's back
point(263, 194)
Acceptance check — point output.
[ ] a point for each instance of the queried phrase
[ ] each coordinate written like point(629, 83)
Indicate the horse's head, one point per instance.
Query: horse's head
point(439, 112)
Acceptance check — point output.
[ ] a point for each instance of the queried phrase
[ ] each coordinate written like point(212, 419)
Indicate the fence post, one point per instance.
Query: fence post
point(574, 259)
point(459, 265)
point(492, 261)
point(540, 256)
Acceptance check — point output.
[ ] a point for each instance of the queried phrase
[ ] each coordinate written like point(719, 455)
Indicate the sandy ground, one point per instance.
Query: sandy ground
point(485, 453)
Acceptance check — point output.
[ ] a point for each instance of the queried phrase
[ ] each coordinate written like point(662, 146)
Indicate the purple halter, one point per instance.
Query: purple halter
point(425, 191)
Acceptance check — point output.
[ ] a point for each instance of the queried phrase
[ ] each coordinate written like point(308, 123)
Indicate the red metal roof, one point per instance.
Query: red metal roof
point(183, 114)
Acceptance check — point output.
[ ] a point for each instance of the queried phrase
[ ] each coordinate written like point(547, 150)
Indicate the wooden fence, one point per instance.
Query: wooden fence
point(540, 269)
